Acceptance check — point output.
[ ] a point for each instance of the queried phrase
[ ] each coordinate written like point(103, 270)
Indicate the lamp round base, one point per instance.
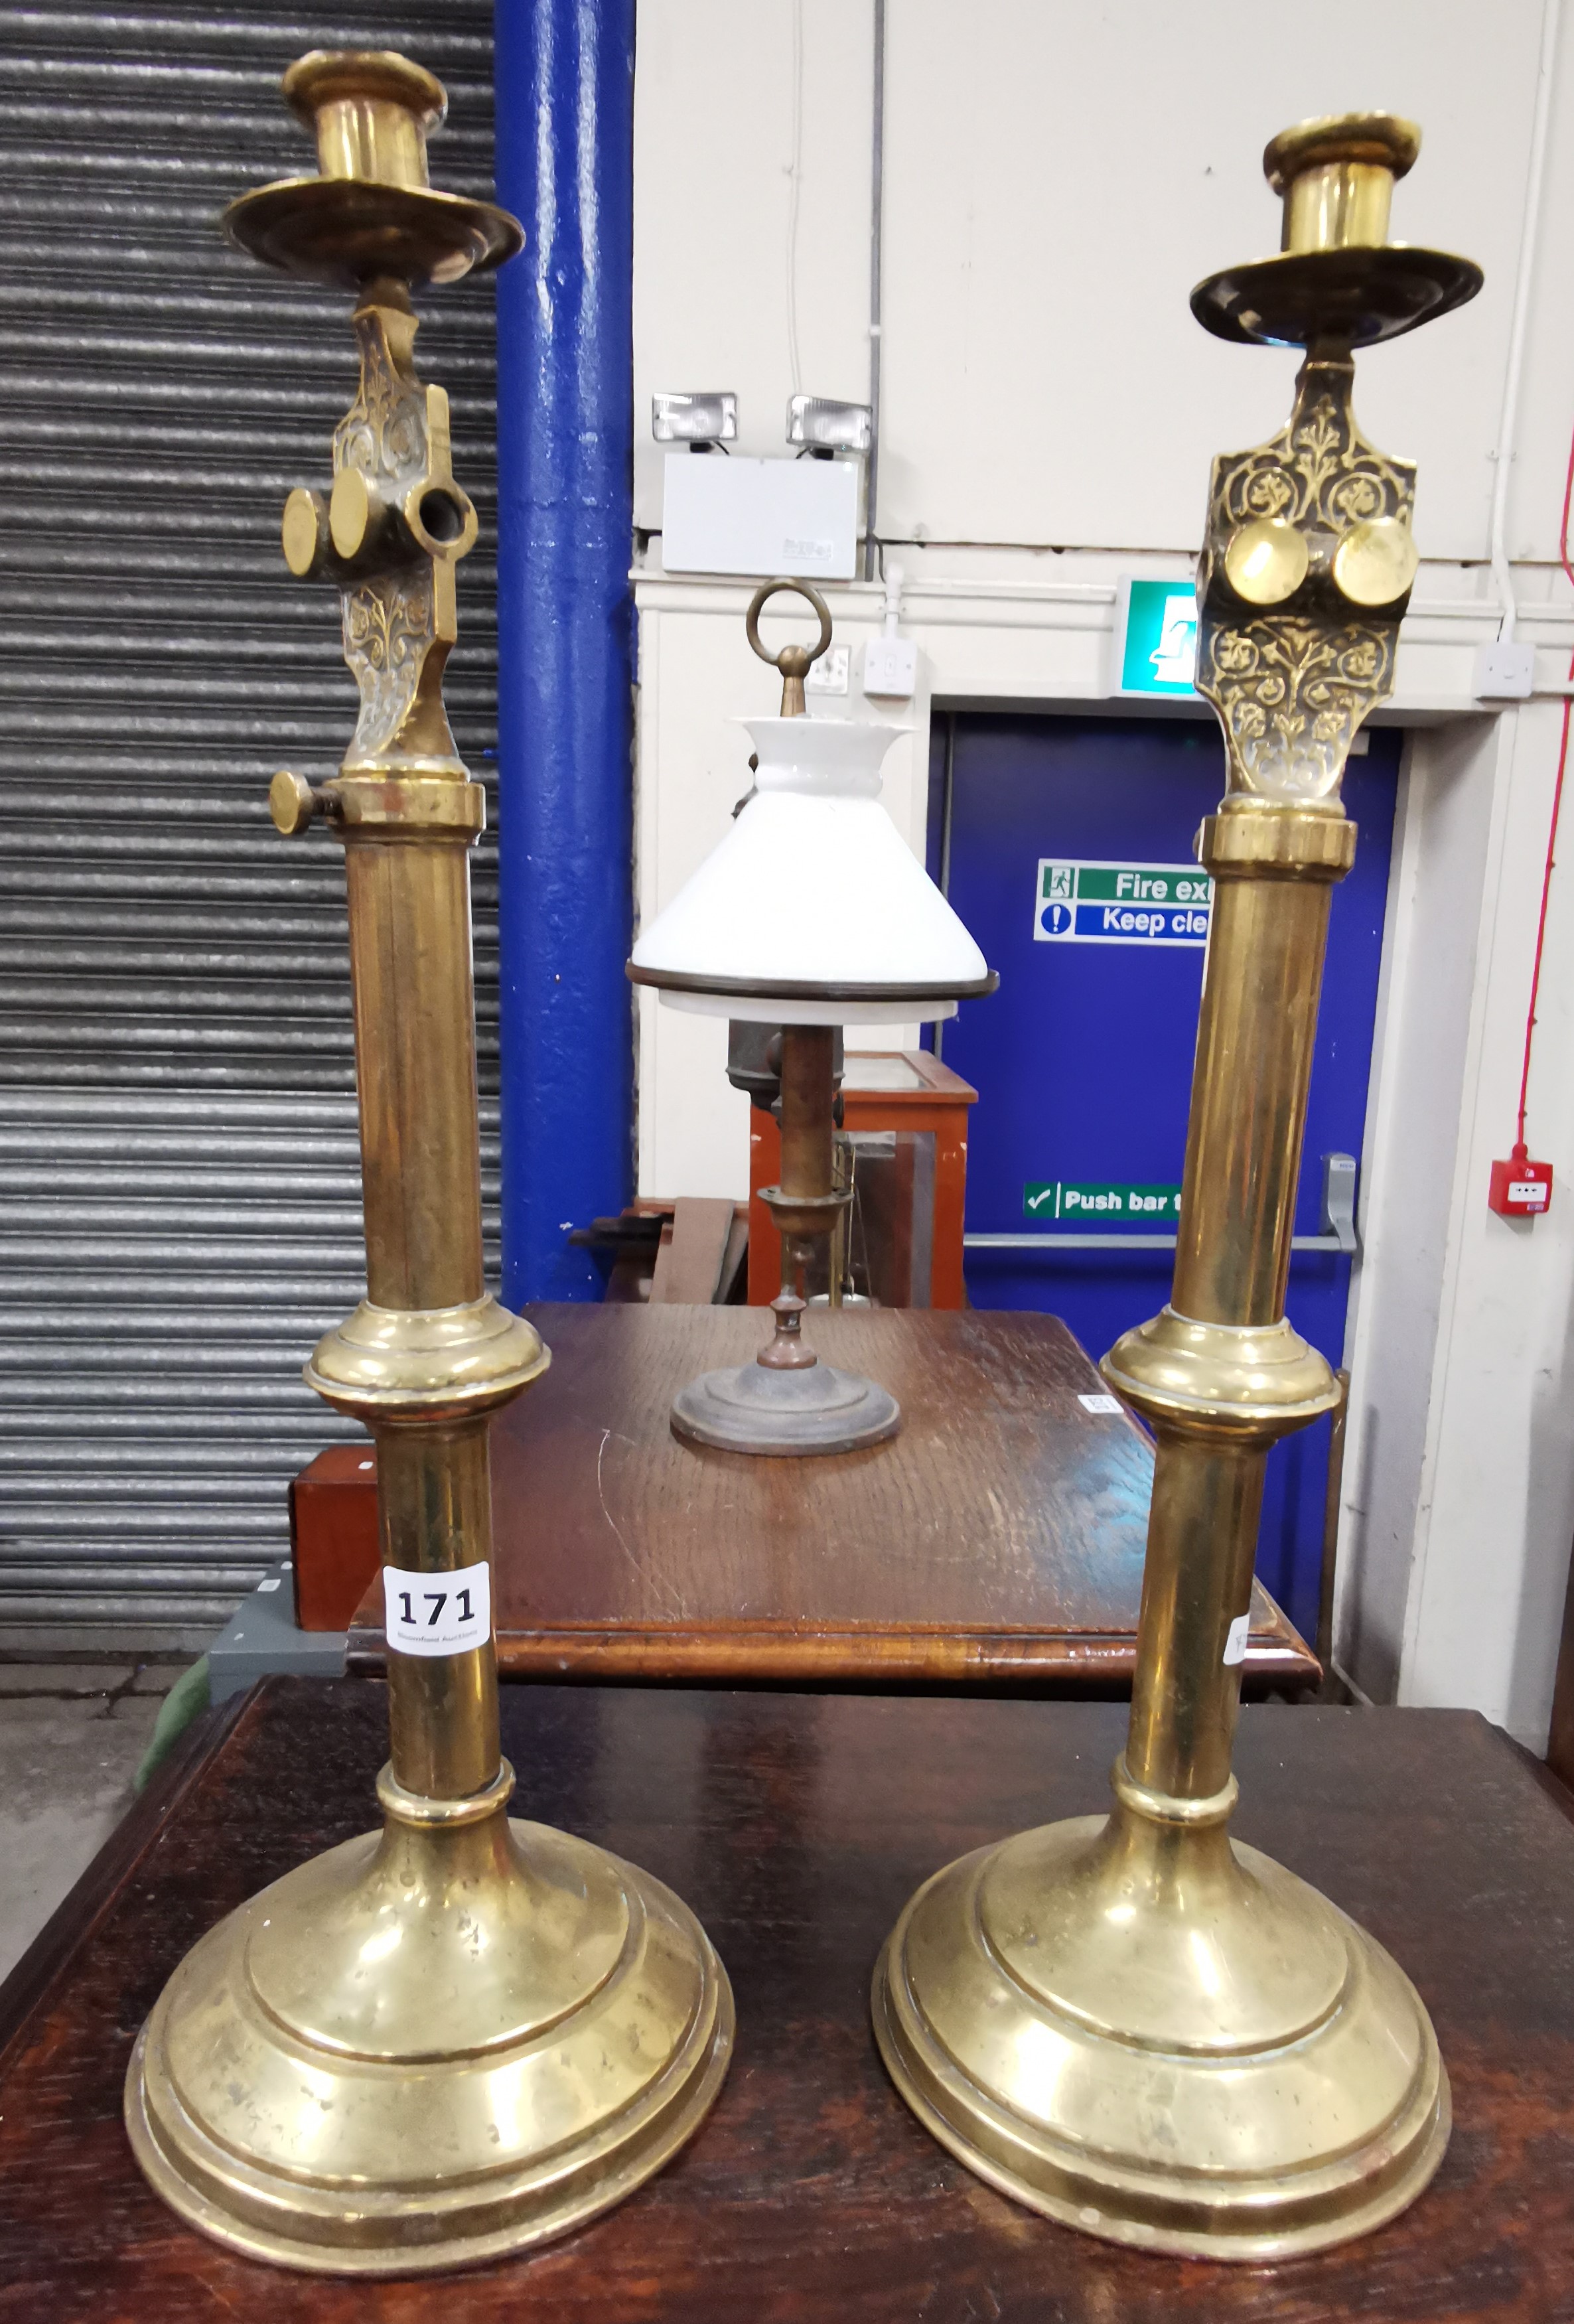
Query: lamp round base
point(428, 2048)
point(1214, 2063)
point(806, 1408)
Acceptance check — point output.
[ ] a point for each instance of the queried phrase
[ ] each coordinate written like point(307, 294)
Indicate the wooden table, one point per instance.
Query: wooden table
point(797, 1826)
point(996, 1542)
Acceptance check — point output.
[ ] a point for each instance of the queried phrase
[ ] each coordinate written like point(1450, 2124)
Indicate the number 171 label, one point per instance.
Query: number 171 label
point(437, 1613)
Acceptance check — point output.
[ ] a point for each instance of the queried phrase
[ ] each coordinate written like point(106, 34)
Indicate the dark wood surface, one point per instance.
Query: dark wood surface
point(996, 1541)
point(797, 1826)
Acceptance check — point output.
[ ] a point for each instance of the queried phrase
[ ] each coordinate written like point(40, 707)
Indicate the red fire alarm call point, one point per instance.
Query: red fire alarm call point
point(1521, 1188)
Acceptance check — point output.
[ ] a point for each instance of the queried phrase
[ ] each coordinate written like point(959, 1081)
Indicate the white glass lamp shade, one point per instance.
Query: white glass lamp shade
point(813, 911)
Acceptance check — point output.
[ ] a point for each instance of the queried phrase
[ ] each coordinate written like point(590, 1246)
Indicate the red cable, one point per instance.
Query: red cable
point(1530, 1026)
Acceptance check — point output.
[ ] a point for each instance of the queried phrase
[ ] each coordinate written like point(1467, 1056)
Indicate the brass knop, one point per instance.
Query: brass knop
point(370, 110)
point(1336, 175)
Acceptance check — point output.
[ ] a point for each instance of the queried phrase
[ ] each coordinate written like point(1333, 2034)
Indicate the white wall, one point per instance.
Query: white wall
point(1057, 178)
point(713, 110)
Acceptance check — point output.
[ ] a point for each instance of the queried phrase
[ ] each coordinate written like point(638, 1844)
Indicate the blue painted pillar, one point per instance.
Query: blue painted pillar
point(565, 82)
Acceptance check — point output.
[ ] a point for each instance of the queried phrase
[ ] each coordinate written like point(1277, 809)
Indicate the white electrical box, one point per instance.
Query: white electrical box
point(1504, 673)
point(765, 517)
point(891, 668)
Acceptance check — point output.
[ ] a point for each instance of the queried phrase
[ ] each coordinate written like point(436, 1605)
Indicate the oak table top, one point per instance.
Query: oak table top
point(797, 1826)
point(996, 1542)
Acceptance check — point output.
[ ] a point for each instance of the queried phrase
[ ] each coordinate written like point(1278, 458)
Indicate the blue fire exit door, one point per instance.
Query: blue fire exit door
point(1066, 844)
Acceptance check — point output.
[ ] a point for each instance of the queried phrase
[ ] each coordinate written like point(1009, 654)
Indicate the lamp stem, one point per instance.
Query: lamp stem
point(808, 1096)
point(808, 1088)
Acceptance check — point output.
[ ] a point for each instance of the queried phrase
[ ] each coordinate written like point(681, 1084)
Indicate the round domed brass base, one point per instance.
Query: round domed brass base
point(1163, 2038)
point(431, 2047)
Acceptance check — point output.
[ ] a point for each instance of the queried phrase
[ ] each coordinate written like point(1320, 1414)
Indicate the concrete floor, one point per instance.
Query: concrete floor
point(72, 1735)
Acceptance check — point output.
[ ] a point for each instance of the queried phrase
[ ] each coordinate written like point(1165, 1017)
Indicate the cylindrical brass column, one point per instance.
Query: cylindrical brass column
point(1135, 2024)
point(461, 2034)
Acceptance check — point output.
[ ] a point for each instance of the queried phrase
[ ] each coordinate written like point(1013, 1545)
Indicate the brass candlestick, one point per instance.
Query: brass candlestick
point(454, 2037)
point(1133, 2023)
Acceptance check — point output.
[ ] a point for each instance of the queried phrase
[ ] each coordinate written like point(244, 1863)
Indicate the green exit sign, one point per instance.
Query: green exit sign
point(1100, 1202)
point(1155, 637)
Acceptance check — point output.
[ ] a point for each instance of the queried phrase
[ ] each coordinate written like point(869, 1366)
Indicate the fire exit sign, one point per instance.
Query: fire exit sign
point(1155, 637)
point(1121, 903)
point(1058, 1198)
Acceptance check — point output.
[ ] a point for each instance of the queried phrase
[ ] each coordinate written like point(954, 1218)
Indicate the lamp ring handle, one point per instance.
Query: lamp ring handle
point(769, 589)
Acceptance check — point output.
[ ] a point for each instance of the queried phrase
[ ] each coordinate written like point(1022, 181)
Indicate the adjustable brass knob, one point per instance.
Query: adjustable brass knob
point(304, 532)
point(294, 803)
point(358, 516)
point(1265, 561)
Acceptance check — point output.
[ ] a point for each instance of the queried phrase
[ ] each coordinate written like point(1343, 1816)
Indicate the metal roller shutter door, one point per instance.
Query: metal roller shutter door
point(181, 1215)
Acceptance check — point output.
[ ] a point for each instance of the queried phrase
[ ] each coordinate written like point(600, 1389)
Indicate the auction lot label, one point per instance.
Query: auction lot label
point(437, 1613)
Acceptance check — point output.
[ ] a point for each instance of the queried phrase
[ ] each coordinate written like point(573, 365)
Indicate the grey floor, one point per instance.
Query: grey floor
point(70, 1737)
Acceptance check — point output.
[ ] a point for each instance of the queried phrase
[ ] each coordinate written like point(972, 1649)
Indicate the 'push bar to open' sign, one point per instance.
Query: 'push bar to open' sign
point(1121, 903)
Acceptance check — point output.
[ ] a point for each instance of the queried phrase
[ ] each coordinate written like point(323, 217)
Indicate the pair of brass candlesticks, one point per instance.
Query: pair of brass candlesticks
point(450, 2039)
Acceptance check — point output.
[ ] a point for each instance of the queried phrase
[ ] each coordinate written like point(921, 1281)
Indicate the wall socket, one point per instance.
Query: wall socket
point(829, 675)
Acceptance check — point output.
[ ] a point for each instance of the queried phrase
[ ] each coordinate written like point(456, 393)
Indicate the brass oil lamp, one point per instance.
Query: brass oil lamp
point(812, 911)
point(1133, 2023)
point(458, 2035)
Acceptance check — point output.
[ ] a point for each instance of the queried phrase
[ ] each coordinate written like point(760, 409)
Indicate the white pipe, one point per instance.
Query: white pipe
point(893, 613)
point(1519, 330)
point(876, 229)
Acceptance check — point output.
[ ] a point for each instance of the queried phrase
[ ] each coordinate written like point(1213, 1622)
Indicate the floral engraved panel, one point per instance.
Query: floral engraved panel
point(1290, 693)
point(390, 617)
point(388, 635)
point(1291, 685)
point(383, 433)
